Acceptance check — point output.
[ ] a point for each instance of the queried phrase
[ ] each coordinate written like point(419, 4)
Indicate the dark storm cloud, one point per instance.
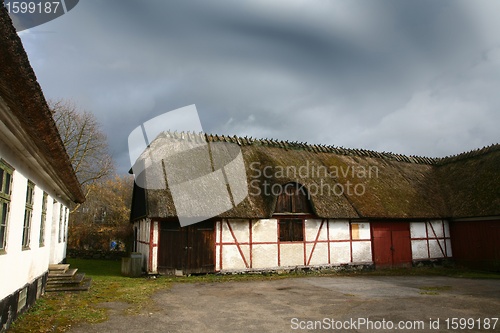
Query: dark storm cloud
point(416, 77)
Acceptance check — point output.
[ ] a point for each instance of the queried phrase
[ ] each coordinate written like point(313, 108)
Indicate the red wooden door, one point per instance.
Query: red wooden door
point(391, 244)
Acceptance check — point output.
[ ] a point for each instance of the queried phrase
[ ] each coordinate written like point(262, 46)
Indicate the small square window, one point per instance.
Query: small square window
point(291, 230)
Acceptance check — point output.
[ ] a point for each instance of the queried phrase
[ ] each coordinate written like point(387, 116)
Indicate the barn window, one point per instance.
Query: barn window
point(5, 191)
point(291, 230)
point(293, 198)
point(28, 213)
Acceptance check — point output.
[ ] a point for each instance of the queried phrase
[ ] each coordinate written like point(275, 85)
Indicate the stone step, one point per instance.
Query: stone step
point(82, 286)
point(58, 268)
point(62, 274)
point(77, 278)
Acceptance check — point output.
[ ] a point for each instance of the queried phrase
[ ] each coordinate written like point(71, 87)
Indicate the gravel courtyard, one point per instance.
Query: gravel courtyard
point(352, 304)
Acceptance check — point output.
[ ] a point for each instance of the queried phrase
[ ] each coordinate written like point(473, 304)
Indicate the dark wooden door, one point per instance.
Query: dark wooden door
point(190, 249)
point(391, 244)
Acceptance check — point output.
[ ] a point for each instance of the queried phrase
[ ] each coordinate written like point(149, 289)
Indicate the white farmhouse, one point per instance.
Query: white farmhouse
point(37, 182)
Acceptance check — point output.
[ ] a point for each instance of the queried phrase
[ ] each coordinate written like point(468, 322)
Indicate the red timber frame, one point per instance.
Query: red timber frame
point(432, 235)
point(307, 240)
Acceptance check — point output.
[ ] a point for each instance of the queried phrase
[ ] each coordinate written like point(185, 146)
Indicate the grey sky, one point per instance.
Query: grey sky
point(412, 77)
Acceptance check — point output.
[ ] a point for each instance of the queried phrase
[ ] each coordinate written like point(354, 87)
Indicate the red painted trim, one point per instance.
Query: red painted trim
point(328, 239)
point(215, 246)
point(350, 238)
point(444, 240)
point(237, 244)
point(427, 235)
point(304, 239)
point(220, 248)
point(151, 233)
point(437, 239)
point(430, 238)
point(250, 240)
point(278, 242)
point(315, 242)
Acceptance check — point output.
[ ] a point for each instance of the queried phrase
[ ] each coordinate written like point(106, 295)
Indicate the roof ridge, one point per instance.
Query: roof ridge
point(468, 154)
point(314, 148)
point(322, 148)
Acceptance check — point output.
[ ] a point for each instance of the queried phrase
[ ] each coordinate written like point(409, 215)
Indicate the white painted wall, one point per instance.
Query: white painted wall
point(143, 244)
point(19, 266)
point(430, 240)
point(241, 245)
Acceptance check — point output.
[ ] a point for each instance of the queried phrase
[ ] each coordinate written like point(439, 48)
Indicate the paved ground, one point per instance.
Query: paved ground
point(297, 304)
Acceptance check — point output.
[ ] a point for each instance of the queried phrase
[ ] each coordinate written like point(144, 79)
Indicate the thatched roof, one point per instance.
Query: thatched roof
point(27, 114)
point(342, 183)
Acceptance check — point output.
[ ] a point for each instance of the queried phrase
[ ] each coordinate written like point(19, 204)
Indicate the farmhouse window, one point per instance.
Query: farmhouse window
point(28, 214)
point(293, 198)
point(60, 222)
point(43, 220)
point(5, 190)
point(291, 230)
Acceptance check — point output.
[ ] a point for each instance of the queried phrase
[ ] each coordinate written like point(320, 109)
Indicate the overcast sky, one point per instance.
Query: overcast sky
point(411, 77)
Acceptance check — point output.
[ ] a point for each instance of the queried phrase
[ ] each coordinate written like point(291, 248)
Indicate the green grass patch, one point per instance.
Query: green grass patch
point(57, 312)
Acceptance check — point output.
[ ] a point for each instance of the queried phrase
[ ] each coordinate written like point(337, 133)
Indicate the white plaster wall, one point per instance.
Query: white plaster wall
point(419, 249)
point(340, 252)
point(312, 227)
point(417, 230)
point(19, 267)
point(363, 229)
point(437, 226)
point(265, 255)
point(448, 248)
point(231, 257)
point(435, 250)
point(143, 228)
point(339, 230)
point(154, 252)
point(320, 254)
point(240, 229)
point(265, 230)
point(362, 251)
point(58, 248)
point(291, 254)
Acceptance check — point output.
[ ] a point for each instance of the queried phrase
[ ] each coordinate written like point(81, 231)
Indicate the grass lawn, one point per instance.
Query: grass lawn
point(56, 312)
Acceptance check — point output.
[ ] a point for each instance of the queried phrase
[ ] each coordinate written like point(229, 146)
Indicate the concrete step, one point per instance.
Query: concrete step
point(77, 278)
point(62, 274)
point(58, 268)
point(82, 286)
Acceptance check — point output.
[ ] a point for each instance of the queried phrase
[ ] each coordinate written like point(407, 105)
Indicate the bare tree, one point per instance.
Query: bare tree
point(85, 143)
point(104, 216)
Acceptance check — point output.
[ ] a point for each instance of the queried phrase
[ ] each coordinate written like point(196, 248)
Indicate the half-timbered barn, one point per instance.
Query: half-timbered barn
point(322, 206)
point(37, 182)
